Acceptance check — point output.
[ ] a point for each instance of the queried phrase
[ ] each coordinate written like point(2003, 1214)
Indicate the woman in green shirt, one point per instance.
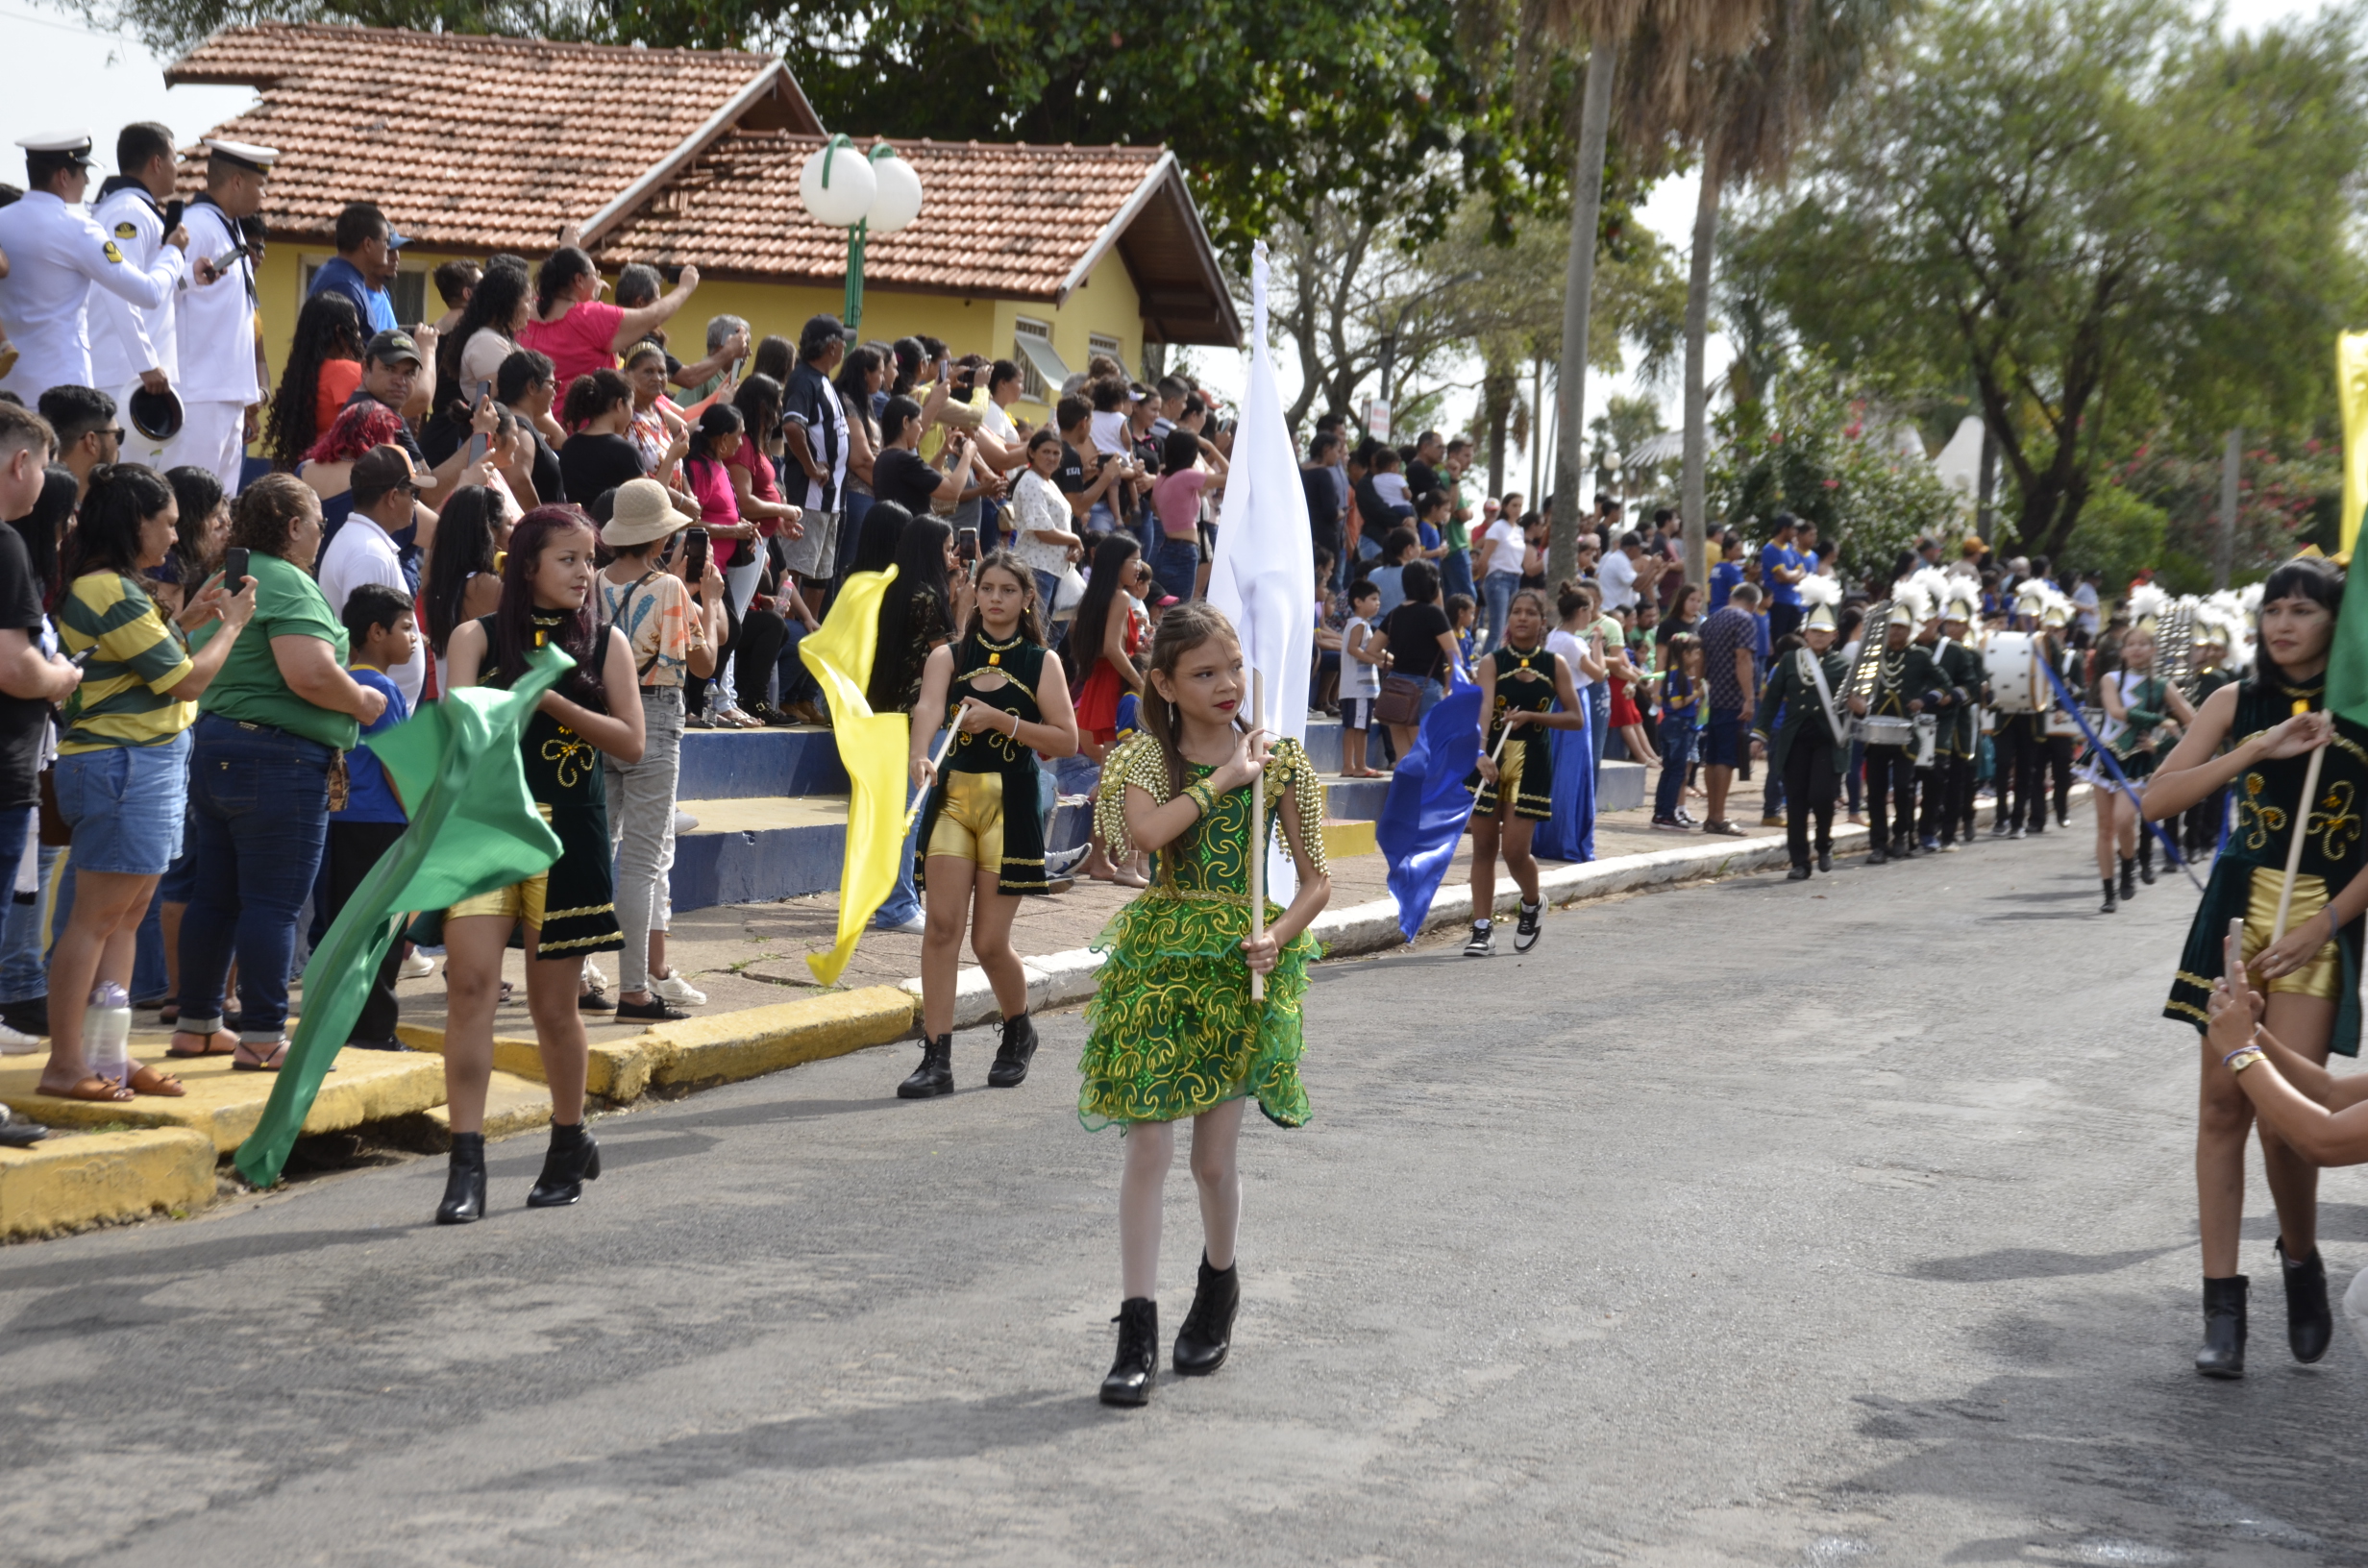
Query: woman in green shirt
point(271, 727)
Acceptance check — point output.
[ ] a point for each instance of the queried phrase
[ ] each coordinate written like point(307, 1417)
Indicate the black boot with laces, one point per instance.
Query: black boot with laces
point(2129, 878)
point(1207, 1334)
point(2110, 904)
point(1019, 1048)
point(935, 1074)
point(1137, 1366)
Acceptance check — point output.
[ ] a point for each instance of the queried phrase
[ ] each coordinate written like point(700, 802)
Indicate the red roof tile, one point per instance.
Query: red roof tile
point(468, 143)
point(998, 220)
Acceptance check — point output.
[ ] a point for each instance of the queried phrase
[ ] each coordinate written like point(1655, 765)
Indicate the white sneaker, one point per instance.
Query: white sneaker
point(16, 1042)
point(418, 966)
point(593, 975)
point(684, 821)
point(674, 989)
point(912, 927)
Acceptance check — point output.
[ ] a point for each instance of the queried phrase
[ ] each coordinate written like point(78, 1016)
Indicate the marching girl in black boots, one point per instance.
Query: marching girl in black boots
point(569, 910)
point(2270, 725)
point(1525, 689)
point(981, 845)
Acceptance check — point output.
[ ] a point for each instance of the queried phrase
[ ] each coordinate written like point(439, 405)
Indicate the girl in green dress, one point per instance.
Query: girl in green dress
point(2140, 707)
point(1174, 1030)
point(2256, 738)
point(981, 844)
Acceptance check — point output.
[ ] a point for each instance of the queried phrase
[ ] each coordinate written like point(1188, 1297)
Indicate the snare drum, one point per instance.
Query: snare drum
point(1885, 730)
point(2017, 679)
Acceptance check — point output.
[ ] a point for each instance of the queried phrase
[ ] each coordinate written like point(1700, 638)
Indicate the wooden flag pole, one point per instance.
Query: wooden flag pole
point(937, 763)
point(1258, 836)
point(2301, 832)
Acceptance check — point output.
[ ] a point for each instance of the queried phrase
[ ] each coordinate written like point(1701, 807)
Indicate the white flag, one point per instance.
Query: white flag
point(1264, 576)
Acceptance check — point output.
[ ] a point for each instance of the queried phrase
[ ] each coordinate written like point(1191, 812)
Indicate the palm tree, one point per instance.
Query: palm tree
point(1662, 38)
point(1754, 110)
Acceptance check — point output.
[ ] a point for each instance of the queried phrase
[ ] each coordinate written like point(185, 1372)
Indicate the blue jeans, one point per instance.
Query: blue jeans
point(1176, 565)
point(24, 935)
point(904, 903)
point(1498, 589)
point(262, 821)
point(1598, 721)
point(1676, 753)
point(796, 684)
point(1455, 576)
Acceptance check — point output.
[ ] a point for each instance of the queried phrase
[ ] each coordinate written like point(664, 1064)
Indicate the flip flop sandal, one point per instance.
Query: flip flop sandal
point(92, 1087)
point(211, 1047)
point(147, 1080)
point(267, 1059)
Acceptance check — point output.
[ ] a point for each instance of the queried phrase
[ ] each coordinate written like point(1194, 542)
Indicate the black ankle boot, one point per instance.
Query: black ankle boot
point(1207, 1334)
point(464, 1182)
point(1136, 1369)
point(2223, 1355)
point(2129, 878)
point(1019, 1048)
point(2146, 859)
point(2110, 905)
point(573, 1160)
point(935, 1074)
point(2309, 1327)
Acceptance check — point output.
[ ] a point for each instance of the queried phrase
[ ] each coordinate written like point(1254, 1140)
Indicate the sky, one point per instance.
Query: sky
point(64, 77)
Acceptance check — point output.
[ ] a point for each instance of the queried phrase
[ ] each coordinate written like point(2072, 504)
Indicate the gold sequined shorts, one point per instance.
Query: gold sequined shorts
point(970, 820)
point(519, 901)
point(2322, 976)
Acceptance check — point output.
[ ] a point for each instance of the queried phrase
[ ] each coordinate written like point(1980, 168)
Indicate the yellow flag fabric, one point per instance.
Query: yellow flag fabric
point(873, 749)
point(2352, 393)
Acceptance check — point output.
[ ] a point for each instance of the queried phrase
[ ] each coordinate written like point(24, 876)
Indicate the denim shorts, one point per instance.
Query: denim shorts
point(126, 805)
point(1726, 743)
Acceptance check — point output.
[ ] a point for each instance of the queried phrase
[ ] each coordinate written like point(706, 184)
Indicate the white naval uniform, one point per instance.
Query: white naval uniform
point(55, 252)
point(217, 382)
point(126, 339)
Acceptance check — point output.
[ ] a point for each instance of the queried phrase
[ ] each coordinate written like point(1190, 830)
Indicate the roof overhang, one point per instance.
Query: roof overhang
point(773, 82)
point(1179, 252)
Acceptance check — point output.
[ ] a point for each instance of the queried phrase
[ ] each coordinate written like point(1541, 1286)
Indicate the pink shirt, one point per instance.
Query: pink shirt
point(580, 342)
point(1177, 499)
point(711, 483)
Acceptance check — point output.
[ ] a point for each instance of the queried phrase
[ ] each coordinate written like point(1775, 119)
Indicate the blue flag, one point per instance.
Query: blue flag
point(1423, 818)
point(1570, 834)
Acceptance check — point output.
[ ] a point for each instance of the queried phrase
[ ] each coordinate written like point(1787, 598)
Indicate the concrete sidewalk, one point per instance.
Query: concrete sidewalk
point(765, 1012)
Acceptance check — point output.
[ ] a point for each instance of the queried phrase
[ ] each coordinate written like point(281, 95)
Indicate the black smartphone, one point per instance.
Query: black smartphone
point(479, 445)
point(233, 569)
point(694, 553)
point(78, 660)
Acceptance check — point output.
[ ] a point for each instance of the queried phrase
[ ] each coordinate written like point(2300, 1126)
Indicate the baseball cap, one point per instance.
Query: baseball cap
point(391, 347)
point(396, 239)
point(382, 469)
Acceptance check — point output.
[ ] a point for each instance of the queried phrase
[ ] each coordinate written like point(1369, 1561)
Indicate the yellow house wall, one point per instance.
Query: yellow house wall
point(1106, 303)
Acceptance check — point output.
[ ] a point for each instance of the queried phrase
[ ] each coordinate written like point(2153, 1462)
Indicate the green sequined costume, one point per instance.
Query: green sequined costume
point(1172, 1030)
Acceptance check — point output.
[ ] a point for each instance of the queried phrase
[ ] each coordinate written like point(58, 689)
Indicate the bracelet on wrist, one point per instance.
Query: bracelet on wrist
point(2237, 1060)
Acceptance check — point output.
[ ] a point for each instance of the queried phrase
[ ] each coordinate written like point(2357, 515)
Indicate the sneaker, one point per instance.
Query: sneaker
point(1948, 846)
point(1723, 830)
point(375, 1045)
point(16, 1042)
point(1668, 824)
point(674, 989)
point(19, 1134)
point(684, 821)
point(1483, 944)
point(418, 966)
point(594, 1001)
point(1062, 864)
point(1772, 819)
point(593, 976)
point(1929, 844)
point(911, 928)
point(657, 1009)
point(1525, 935)
point(2015, 832)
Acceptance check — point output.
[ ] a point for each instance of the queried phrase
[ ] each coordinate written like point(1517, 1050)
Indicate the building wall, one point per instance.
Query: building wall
point(1105, 304)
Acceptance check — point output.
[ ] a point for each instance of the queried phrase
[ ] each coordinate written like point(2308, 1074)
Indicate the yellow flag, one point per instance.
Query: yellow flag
point(2352, 393)
point(873, 749)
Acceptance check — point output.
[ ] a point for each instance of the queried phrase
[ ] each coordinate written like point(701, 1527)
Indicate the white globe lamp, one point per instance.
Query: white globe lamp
point(896, 201)
point(836, 186)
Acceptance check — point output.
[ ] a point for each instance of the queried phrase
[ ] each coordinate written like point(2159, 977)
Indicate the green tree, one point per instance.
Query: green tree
point(1270, 105)
point(2108, 216)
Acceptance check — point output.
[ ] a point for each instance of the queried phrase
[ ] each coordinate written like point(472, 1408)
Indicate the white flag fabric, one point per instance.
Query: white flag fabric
point(1264, 576)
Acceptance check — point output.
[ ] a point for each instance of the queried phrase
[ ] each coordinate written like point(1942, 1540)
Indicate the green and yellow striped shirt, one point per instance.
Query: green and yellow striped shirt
point(121, 701)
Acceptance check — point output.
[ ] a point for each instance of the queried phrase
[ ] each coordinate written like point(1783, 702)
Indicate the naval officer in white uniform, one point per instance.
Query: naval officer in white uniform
point(56, 254)
point(219, 383)
point(132, 349)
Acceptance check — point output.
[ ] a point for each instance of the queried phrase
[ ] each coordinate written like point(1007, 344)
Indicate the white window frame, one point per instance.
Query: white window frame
point(1032, 385)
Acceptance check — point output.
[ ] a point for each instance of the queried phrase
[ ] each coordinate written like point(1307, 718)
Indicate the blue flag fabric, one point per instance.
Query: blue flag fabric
point(1570, 834)
point(1423, 818)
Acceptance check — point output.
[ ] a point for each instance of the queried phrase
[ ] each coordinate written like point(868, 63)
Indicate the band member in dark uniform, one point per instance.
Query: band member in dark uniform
point(1948, 801)
point(1907, 683)
point(1808, 749)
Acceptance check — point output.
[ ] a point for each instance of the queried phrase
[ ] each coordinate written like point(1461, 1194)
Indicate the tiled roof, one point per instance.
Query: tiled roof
point(470, 142)
point(1006, 221)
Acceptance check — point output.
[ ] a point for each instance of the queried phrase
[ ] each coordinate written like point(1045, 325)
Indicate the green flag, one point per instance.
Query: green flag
point(2347, 656)
point(474, 828)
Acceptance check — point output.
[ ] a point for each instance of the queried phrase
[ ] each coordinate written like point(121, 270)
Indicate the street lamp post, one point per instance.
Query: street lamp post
point(864, 194)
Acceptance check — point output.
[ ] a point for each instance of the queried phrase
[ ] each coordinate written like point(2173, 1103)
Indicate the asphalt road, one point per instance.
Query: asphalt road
point(1739, 1224)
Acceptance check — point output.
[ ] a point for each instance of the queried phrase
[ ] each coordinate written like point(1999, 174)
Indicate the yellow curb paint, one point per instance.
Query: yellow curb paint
point(225, 1105)
point(617, 1069)
point(65, 1182)
point(1342, 840)
point(762, 1040)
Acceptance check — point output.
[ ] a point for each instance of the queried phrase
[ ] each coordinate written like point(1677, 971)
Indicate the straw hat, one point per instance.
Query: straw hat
point(642, 513)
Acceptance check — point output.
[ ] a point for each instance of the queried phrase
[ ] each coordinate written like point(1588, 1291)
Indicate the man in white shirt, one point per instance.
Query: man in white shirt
point(1619, 573)
point(387, 491)
point(220, 388)
point(132, 349)
point(55, 252)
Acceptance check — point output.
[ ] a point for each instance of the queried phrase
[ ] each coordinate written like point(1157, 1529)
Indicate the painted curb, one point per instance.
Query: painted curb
point(761, 1040)
point(66, 1182)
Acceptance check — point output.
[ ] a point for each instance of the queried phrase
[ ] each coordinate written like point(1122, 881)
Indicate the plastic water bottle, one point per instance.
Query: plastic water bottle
point(106, 1033)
